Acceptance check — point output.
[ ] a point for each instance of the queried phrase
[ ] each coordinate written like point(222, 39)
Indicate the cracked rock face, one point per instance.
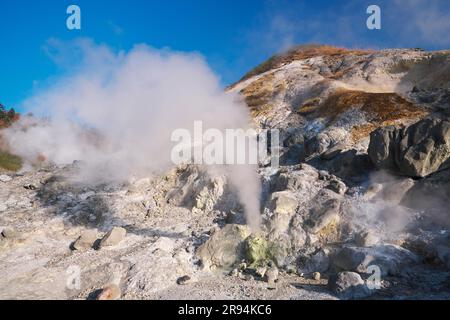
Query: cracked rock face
point(417, 151)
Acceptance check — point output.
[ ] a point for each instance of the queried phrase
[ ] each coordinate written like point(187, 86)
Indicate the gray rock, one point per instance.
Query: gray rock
point(324, 175)
point(382, 147)
point(366, 239)
point(349, 164)
point(317, 145)
point(295, 138)
point(86, 240)
point(234, 272)
point(287, 181)
point(348, 285)
point(372, 191)
point(326, 210)
point(417, 151)
point(318, 262)
point(183, 280)
point(261, 271)
point(284, 202)
point(9, 233)
point(5, 178)
point(431, 195)
point(337, 186)
point(225, 248)
point(332, 152)
point(272, 276)
point(113, 237)
point(297, 234)
point(389, 258)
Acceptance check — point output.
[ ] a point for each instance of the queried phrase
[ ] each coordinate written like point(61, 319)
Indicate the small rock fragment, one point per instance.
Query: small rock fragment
point(337, 186)
point(291, 269)
point(9, 233)
point(261, 271)
point(5, 178)
point(324, 175)
point(272, 276)
point(183, 280)
point(332, 152)
point(242, 266)
point(113, 237)
point(234, 272)
point(30, 187)
point(316, 276)
point(110, 292)
point(244, 276)
point(86, 240)
point(372, 191)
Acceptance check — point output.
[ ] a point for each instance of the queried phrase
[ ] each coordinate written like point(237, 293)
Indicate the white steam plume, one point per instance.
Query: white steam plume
point(116, 112)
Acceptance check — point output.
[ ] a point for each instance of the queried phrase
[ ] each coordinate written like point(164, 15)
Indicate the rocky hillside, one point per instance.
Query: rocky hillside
point(361, 192)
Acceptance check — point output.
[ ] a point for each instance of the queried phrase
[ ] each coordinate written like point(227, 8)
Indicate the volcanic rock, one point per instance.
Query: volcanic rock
point(348, 285)
point(415, 151)
point(113, 237)
point(225, 248)
point(86, 240)
point(389, 258)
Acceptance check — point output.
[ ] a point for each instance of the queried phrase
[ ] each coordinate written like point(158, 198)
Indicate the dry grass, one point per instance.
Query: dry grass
point(381, 109)
point(361, 132)
point(10, 162)
point(310, 106)
point(300, 53)
point(381, 106)
point(260, 93)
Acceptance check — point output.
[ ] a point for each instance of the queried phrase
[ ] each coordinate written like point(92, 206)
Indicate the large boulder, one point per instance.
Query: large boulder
point(317, 262)
point(283, 205)
point(416, 151)
point(225, 248)
point(348, 285)
point(324, 215)
point(284, 202)
point(389, 258)
point(430, 195)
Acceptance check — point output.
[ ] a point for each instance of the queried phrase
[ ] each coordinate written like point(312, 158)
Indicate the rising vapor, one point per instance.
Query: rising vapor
point(116, 112)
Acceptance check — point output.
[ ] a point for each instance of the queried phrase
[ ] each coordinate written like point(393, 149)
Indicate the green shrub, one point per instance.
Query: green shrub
point(10, 162)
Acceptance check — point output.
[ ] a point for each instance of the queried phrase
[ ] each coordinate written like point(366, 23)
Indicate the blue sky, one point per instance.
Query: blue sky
point(232, 35)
